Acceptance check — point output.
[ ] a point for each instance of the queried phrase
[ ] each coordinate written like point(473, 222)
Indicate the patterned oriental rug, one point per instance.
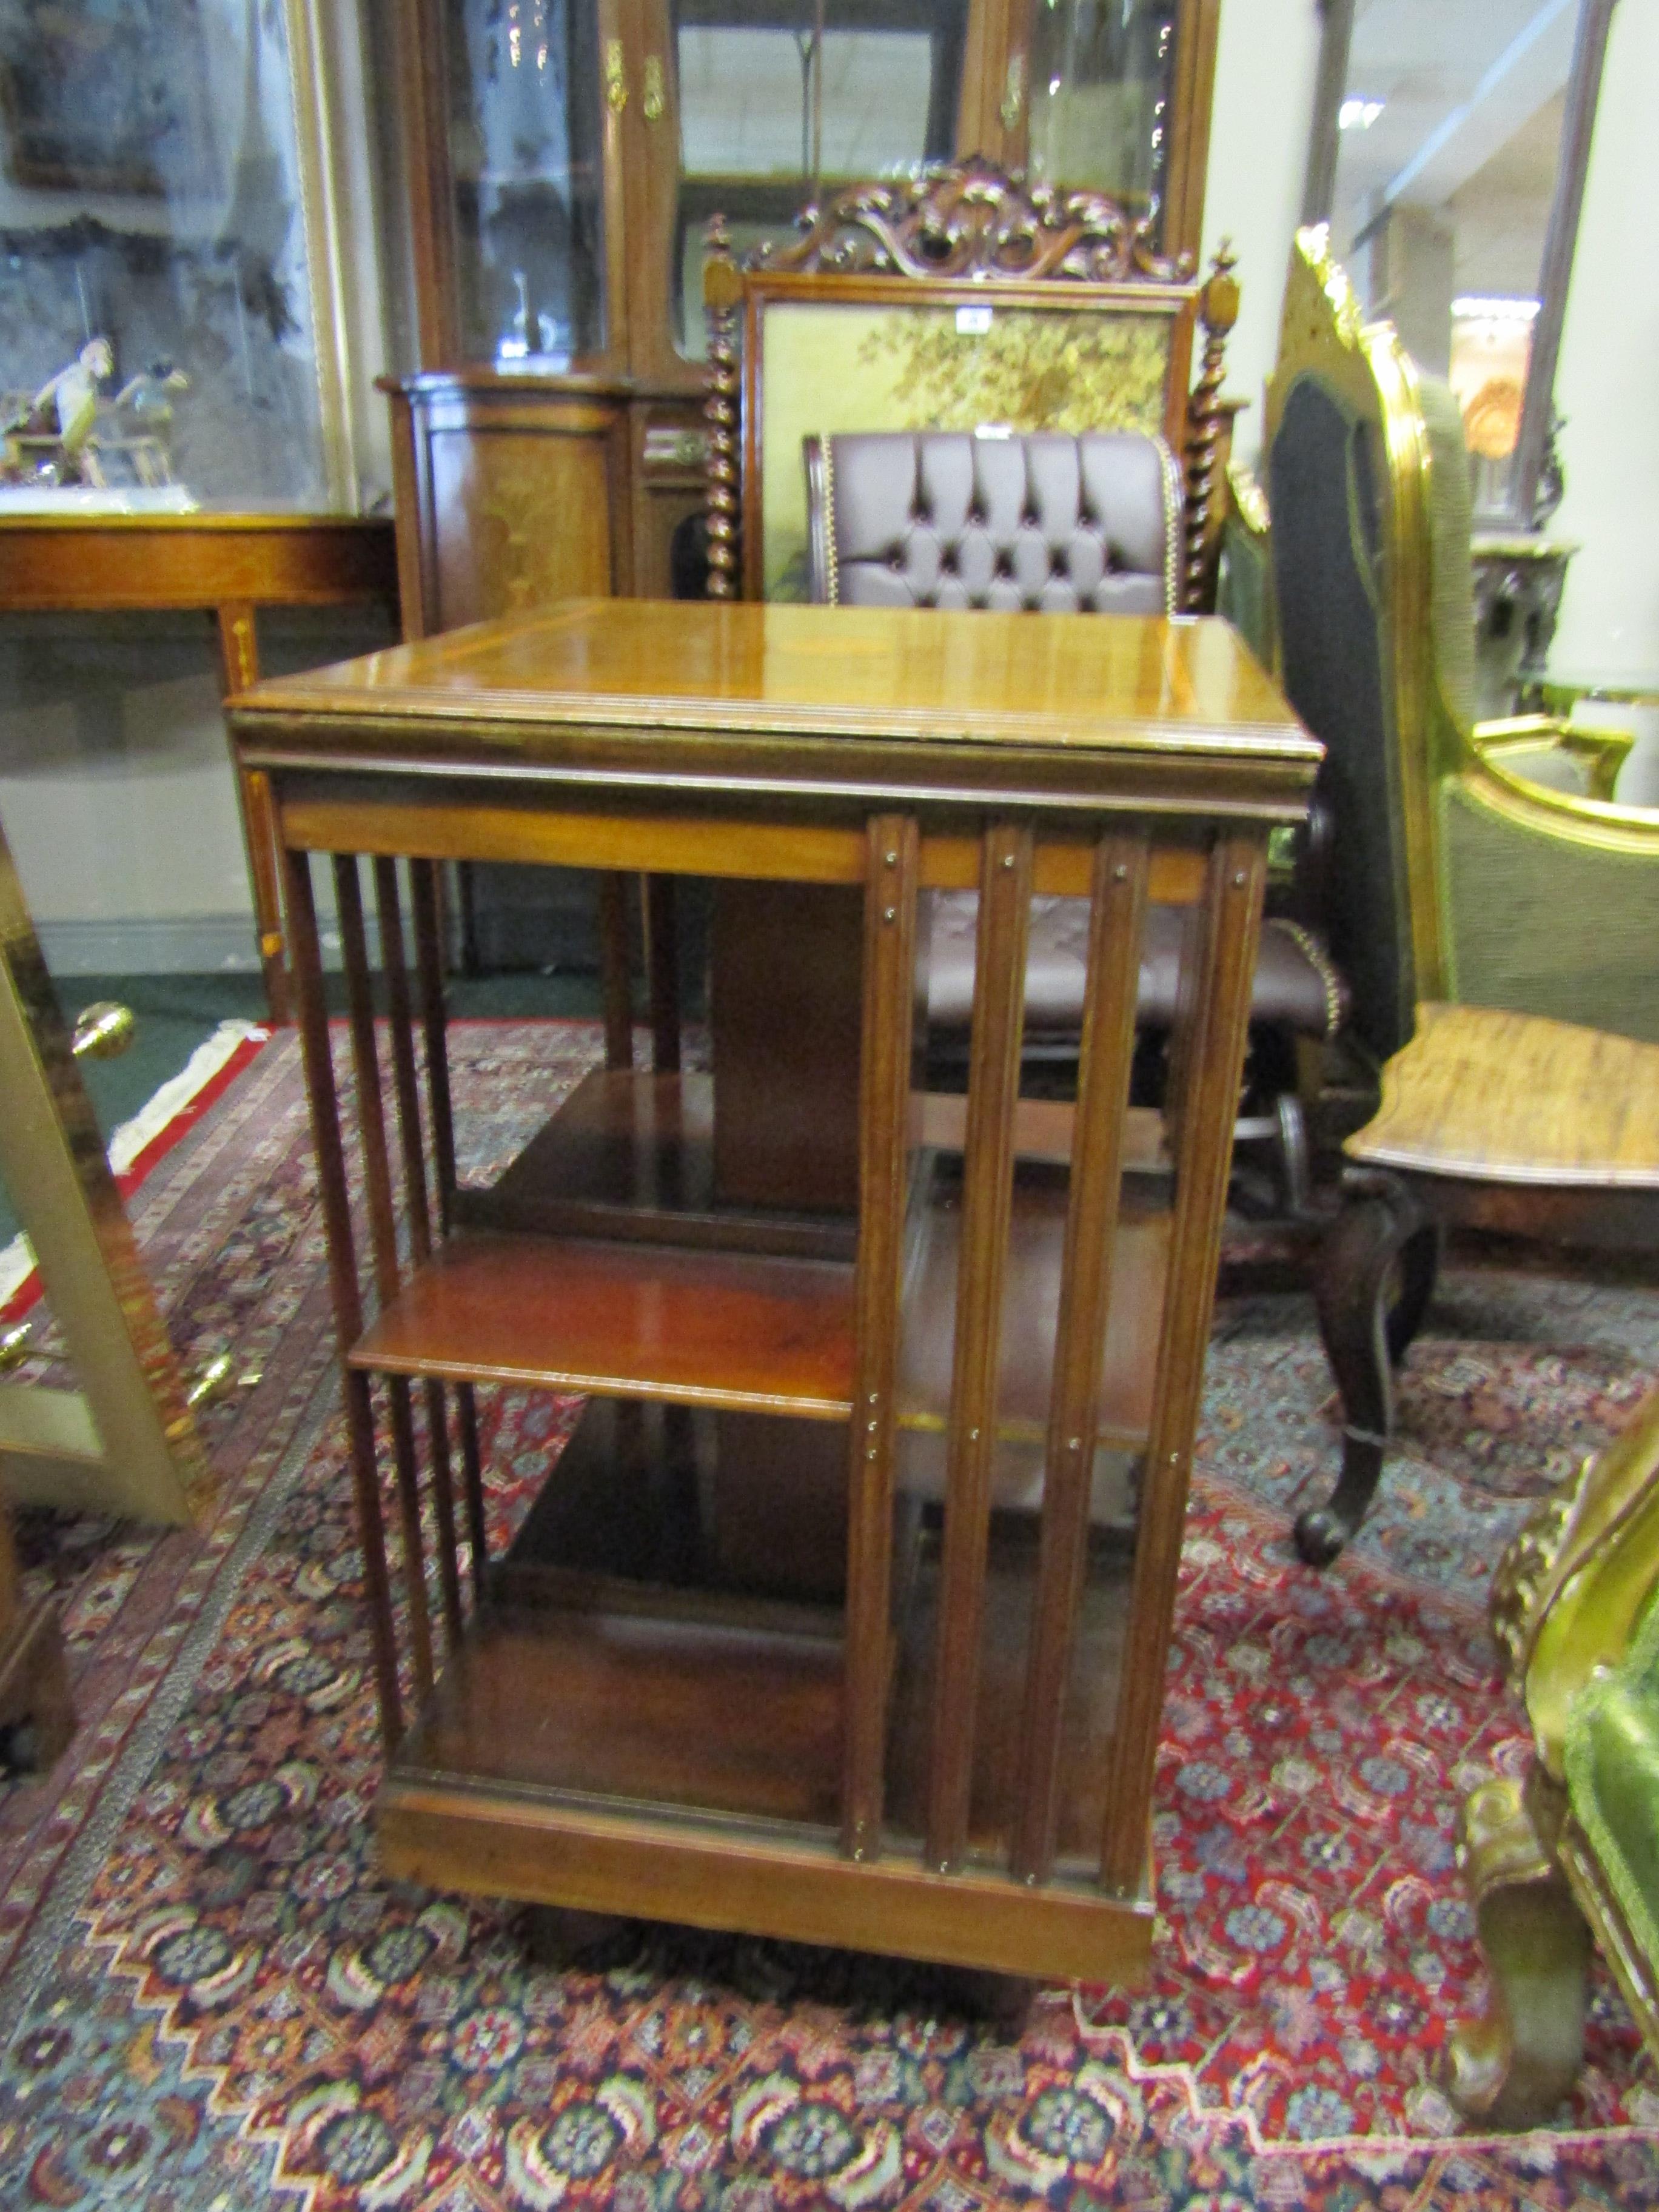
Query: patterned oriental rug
point(210, 2000)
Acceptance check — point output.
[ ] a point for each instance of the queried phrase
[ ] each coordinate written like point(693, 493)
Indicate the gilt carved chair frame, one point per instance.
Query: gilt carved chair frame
point(973, 237)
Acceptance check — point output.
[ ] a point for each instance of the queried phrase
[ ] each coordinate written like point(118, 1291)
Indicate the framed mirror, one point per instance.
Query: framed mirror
point(1449, 147)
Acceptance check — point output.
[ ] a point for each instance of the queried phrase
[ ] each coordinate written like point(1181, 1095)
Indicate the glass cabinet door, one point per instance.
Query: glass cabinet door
point(1111, 96)
point(525, 143)
point(780, 100)
point(1101, 84)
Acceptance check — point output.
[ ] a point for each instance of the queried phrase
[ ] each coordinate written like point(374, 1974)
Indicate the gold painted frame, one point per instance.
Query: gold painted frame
point(126, 1443)
point(318, 144)
point(1443, 757)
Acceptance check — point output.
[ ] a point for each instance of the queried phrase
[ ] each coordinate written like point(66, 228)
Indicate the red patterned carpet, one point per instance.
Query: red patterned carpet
point(209, 1997)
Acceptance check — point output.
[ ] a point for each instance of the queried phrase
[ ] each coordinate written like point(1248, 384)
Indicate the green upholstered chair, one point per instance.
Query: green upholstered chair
point(1453, 882)
point(1571, 1850)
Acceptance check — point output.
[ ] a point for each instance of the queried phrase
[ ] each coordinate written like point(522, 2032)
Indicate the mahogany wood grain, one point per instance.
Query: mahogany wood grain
point(886, 1050)
point(343, 1288)
point(615, 967)
point(701, 1328)
point(1186, 692)
point(513, 1844)
point(750, 1507)
point(1213, 1057)
point(662, 964)
point(429, 953)
point(97, 563)
point(656, 1710)
point(483, 463)
point(460, 825)
point(632, 1155)
point(1004, 906)
point(388, 907)
point(1085, 1299)
point(1044, 1129)
point(383, 1240)
point(773, 752)
point(784, 1023)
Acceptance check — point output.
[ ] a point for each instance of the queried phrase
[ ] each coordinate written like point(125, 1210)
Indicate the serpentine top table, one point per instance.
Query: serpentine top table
point(843, 1615)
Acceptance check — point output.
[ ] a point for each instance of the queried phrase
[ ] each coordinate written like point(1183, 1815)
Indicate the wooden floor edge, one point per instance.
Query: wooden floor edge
point(499, 1846)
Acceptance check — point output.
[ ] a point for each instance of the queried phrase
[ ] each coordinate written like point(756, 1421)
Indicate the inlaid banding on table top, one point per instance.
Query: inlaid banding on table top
point(953, 679)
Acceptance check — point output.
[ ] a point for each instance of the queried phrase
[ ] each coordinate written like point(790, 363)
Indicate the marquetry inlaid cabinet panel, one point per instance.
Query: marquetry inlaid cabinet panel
point(507, 500)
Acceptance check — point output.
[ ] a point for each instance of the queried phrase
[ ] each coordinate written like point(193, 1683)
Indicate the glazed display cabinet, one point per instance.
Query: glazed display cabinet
point(563, 160)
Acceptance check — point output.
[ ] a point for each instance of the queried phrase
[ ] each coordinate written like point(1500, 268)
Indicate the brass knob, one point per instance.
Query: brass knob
point(655, 100)
point(103, 1030)
point(616, 76)
point(14, 1345)
point(210, 1381)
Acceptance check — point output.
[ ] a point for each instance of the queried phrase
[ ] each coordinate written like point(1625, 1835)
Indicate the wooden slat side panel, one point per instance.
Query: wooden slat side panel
point(417, 1212)
point(884, 1075)
point(617, 968)
point(1108, 1030)
point(343, 1277)
point(1212, 1059)
point(383, 1236)
point(429, 947)
point(1005, 904)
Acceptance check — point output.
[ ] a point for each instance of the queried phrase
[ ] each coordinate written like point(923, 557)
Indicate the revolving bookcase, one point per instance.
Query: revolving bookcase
point(844, 1615)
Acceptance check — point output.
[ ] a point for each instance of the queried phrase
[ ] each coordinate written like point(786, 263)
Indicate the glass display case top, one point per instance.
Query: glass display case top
point(157, 347)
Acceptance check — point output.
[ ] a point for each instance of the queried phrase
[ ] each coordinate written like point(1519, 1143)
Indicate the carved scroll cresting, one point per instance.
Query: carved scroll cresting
point(973, 221)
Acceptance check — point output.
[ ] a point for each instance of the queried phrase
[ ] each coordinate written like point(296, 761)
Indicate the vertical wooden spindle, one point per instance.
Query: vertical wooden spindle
point(1109, 1035)
point(307, 971)
point(430, 960)
point(466, 1420)
point(662, 968)
point(615, 970)
point(890, 936)
point(383, 1237)
point(1004, 902)
point(1211, 1058)
point(406, 1088)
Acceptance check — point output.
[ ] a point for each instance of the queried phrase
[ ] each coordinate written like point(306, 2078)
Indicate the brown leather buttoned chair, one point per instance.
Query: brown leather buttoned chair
point(1052, 523)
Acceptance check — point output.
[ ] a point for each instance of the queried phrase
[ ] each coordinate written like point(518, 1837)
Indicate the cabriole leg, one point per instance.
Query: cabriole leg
point(1512, 2067)
point(1365, 1331)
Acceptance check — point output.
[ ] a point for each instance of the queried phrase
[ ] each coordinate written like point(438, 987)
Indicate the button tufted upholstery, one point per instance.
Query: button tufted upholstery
point(1047, 522)
point(1057, 525)
point(1295, 985)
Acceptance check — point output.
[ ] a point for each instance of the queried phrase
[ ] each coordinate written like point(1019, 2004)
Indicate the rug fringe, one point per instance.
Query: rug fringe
point(140, 1143)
